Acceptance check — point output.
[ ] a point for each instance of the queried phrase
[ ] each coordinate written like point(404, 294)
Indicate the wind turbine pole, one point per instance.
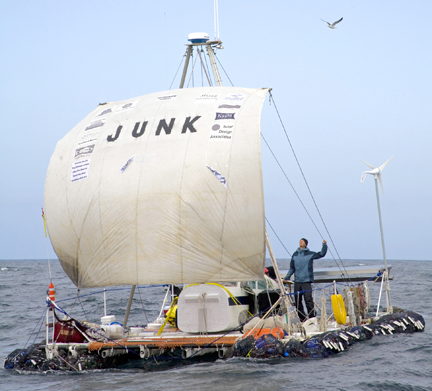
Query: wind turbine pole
point(380, 221)
point(376, 172)
point(387, 286)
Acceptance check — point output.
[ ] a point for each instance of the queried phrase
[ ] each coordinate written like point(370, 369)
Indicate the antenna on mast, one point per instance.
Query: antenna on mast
point(200, 40)
point(216, 20)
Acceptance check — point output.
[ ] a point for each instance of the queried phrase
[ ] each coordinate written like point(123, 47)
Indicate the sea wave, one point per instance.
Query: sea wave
point(390, 386)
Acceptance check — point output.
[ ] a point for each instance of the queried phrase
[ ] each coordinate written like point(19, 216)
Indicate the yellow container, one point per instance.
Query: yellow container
point(339, 309)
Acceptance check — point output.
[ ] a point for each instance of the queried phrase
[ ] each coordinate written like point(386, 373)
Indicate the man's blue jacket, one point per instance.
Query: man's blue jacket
point(302, 264)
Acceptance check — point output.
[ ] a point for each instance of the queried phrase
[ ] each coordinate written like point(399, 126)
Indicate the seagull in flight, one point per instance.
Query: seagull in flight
point(332, 26)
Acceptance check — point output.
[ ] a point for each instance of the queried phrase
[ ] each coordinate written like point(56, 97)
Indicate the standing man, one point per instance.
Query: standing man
point(302, 267)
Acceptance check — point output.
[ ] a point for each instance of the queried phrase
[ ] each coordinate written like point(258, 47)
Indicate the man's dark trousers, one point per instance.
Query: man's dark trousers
point(304, 286)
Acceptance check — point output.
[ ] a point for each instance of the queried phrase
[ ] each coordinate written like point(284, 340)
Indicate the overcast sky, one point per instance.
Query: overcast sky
point(360, 92)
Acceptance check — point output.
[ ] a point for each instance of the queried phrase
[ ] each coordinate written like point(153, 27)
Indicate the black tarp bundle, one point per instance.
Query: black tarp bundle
point(328, 343)
point(33, 359)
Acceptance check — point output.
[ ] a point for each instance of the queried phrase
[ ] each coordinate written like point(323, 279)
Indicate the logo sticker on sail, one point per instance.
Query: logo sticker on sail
point(80, 170)
point(126, 106)
point(219, 176)
point(89, 137)
point(221, 132)
point(80, 152)
point(227, 106)
point(235, 99)
point(104, 112)
point(97, 123)
point(122, 170)
point(167, 97)
point(224, 116)
point(207, 98)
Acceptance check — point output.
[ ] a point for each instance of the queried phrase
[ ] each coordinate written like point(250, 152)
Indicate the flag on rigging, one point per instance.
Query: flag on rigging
point(43, 217)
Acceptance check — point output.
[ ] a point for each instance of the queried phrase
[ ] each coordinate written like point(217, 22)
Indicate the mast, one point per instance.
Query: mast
point(286, 299)
point(213, 62)
point(188, 56)
point(132, 292)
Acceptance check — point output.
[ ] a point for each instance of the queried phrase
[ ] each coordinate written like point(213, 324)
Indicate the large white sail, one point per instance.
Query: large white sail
point(162, 188)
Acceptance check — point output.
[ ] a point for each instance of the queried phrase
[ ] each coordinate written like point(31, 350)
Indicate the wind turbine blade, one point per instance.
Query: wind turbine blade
point(370, 165)
point(383, 165)
point(363, 177)
point(380, 181)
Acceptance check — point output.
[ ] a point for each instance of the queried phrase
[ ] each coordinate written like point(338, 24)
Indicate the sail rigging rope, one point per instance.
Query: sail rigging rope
point(344, 272)
point(181, 62)
point(107, 290)
point(192, 72)
point(142, 304)
point(224, 70)
point(202, 66)
point(46, 244)
point(203, 69)
point(82, 307)
point(41, 322)
point(173, 304)
point(280, 241)
point(33, 332)
point(270, 301)
point(294, 190)
point(49, 264)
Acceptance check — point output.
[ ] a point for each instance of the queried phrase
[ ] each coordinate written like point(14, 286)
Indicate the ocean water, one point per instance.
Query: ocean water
point(391, 362)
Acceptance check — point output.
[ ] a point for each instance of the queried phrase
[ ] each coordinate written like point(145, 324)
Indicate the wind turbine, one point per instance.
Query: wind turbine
point(376, 172)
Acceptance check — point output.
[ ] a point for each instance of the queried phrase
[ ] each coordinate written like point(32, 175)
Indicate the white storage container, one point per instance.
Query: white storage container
point(107, 319)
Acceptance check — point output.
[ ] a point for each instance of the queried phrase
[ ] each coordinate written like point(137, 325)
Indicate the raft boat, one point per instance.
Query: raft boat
point(167, 188)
